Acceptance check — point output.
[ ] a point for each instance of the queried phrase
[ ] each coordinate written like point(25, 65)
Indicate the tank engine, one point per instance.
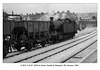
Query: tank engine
point(62, 29)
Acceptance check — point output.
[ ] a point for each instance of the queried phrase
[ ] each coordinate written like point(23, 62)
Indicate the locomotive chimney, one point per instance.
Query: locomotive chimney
point(51, 18)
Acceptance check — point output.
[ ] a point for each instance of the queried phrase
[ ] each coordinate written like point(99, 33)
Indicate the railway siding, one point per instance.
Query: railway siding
point(69, 53)
point(82, 55)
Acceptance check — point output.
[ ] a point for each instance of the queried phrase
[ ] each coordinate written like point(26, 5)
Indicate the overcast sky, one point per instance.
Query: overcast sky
point(33, 7)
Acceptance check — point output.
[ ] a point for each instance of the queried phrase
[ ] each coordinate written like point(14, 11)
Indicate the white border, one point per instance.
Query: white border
point(13, 66)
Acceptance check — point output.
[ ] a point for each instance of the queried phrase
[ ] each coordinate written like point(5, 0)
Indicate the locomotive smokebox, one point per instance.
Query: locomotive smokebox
point(51, 18)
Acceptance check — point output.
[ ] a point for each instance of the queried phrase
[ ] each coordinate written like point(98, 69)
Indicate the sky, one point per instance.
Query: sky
point(49, 7)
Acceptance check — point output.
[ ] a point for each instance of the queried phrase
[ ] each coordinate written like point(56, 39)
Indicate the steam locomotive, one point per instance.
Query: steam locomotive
point(31, 33)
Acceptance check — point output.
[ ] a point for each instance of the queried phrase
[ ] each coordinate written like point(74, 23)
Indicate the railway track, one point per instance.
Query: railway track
point(52, 51)
point(11, 54)
point(61, 57)
point(90, 58)
point(81, 56)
